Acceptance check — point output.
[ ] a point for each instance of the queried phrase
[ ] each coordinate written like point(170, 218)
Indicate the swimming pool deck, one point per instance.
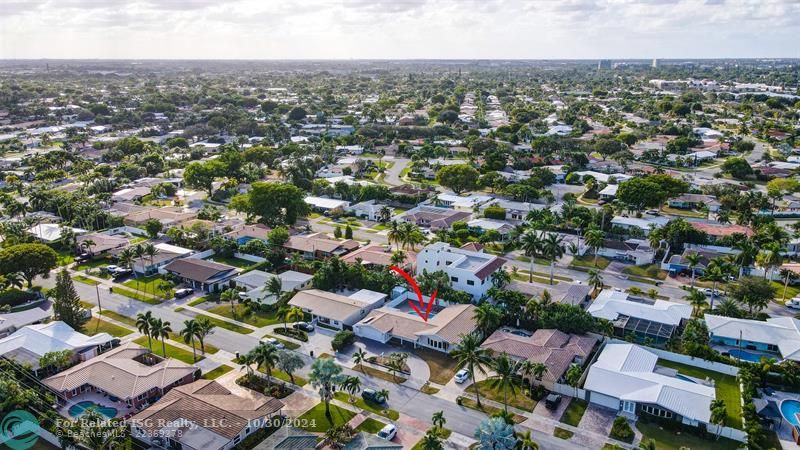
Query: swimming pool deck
point(99, 399)
point(784, 431)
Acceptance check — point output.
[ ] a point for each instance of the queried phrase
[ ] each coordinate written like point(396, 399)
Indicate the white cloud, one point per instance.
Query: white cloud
point(398, 28)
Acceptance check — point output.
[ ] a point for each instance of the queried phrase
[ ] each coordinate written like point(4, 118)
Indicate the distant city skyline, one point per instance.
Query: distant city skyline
point(399, 29)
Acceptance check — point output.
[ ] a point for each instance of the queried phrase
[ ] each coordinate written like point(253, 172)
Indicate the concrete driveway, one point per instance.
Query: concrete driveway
point(597, 419)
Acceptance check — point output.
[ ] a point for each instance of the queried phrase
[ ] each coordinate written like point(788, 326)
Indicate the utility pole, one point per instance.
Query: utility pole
point(97, 290)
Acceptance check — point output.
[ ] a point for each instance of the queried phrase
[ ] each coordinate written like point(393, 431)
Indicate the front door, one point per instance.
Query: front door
point(628, 407)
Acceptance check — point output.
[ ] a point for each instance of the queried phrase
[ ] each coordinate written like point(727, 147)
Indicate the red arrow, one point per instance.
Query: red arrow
point(414, 286)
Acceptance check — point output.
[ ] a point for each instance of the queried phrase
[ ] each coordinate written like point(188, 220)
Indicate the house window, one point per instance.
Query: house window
point(470, 282)
point(658, 412)
point(454, 279)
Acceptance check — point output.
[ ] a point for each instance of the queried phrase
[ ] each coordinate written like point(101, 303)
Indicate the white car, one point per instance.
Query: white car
point(272, 341)
point(388, 432)
point(461, 376)
point(112, 268)
point(793, 303)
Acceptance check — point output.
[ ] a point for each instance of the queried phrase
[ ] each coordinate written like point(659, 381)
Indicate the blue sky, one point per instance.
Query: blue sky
point(344, 29)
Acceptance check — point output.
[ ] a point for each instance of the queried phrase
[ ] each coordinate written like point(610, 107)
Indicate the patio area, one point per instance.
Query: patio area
point(784, 428)
point(103, 402)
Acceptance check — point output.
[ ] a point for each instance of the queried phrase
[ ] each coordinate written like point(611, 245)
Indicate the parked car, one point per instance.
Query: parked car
point(82, 258)
point(793, 303)
point(552, 401)
point(373, 396)
point(185, 292)
point(461, 376)
point(111, 268)
point(121, 273)
point(709, 292)
point(272, 341)
point(388, 432)
point(305, 326)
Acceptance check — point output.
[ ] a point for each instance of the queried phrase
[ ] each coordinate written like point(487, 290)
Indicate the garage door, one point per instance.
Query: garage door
point(604, 400)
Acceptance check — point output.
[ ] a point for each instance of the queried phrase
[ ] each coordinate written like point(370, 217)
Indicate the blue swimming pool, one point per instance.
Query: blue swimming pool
point(685, 378)
point(78, 409)
point(744, 355)
point(789, 411)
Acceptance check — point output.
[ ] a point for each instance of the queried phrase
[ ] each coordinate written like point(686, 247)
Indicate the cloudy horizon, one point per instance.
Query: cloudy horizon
point(399, 29)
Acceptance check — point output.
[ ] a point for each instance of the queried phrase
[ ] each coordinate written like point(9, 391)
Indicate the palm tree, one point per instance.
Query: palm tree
point(150, 251)
point(728, 308)
point(507, 371)
point(431, 441)
point(138, 253)
point(189, 333)
point(325, 374)
point(384, 394)
point(693, 259)
point(247, 360)
point(337, 437)
point(88, 244)
point(594, 240)
point(291, 314)
point(698, 301)
point(531, 244)
point(230, 295)
point(525, 441)
point(126, 257)
point(554, 249)
point(205, 327)
point(274, 286)
point(648, 444)
point(747, 254)
point(359, 358)
point(487, 317)
point(787, 276)
point(393, 236)
point(718, 414)
point(573, 376)
point(266, 357)
point(713, 273)
point(770, 257)
point(438, 420)
point(161, 330)
point(471, 355)
point(595, 280)
point(143, 322)
point(496, 434)
point(352, 385)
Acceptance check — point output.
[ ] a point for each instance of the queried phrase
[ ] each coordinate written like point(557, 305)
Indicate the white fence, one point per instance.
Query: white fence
point(728, 432)
point(251, 258)
point(201, 255)
point(690, 360)
point(565, 389)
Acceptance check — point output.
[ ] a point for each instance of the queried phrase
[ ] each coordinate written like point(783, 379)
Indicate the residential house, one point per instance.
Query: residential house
point(695, 201)
point(461, 203)
point(432, 217)
point(166, 253)
point(288, 438)
point(29, 343)
point(609, 192)
point(604, 177)
point(130, 194)
point(255, 284)
point(553, 348)
point(316, 245)
point(204, 415)
point(483, 225)
point(515, 211)
point(131, 373)
point(101, 242)
point(640, 226)
point(442, 331)
point(469, 271)
point(326, 204)
point(627, 379)
point(169, 216)
point(245, 233)
point(368, 441)
point(49, 233)
point(680, 263)
point(577, 294)
point(652, 320)
point(369, 210)
point(207, 276)
point(718, 230)
point(379, 255)
point(637, 251)
point(335, 310)
point(749, 340)
point(13, 321)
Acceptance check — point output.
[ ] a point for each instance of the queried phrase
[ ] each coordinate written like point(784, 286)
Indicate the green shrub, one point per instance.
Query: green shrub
point(621, 430)
point(495, 212)
point(342, 340)
point(15, 297)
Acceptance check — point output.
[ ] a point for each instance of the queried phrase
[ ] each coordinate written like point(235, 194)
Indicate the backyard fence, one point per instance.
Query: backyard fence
point(251, 258)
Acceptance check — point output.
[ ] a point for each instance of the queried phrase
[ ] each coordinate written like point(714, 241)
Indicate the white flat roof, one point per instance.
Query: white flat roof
point(326, 203)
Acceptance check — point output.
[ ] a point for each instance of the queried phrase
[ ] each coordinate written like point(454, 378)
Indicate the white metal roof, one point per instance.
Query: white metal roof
point(610, 304)
point(326, 203)
point(625, 371)
point(54, 336)
point(781, 331)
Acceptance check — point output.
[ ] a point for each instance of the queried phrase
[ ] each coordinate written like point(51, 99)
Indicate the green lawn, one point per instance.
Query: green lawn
point(172, 351)
point(371, 371)
point(370, 426)
point(227, 325)
point(648, 271)
point(315, 420)
point(487, 409)
point(526, 278)
point(95, 326)
point(281, 375)
point(572, 415)
point(216, 373)
point(136, 295)
point(587, 261)
point(65, 257)
point(697, 214)
point(130, 321)
point(516, 399)
point(368, 406)
point(85, 280)
point(197, 301)
point(442, 366)
point(726, 385)
point(791, 291)
point(241, 313)
point(93, 263)
point(669, 440)
point(562, 433)
point(232, 261)
point(526, 259)
point(150, 285)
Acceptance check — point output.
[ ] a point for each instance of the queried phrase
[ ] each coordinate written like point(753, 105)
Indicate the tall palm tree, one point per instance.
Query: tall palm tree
point(438, 420)
point(595, 280)
point(770, 257)
point(507, 371)
point(324, 375)
point(787, 276)
point(554, 249)
point(266, 356)
point(138, 253)
point(487, 317)
point(472, 356)
point(150, 251)
point(594, 240)
point(160, 329)
point(698, 301)
point(748, 252)
point(230, 295)
point(274, 286)
point(573, 376)
point(352, 385)
point(525, 441)
point(728, 308)
point(359, 358)
point(143, 322)
point(718, 414)
point(693, 259)
point(189, 333)
point(125, 257)
point(531, 244)
point(205, 327)
point(714, 274)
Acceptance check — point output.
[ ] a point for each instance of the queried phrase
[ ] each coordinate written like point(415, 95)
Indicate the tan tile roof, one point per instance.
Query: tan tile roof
point(117, 373)
point(209, 405)
point(317, 242)
point(376, 254)
point(449, 324)
point(553, 348)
